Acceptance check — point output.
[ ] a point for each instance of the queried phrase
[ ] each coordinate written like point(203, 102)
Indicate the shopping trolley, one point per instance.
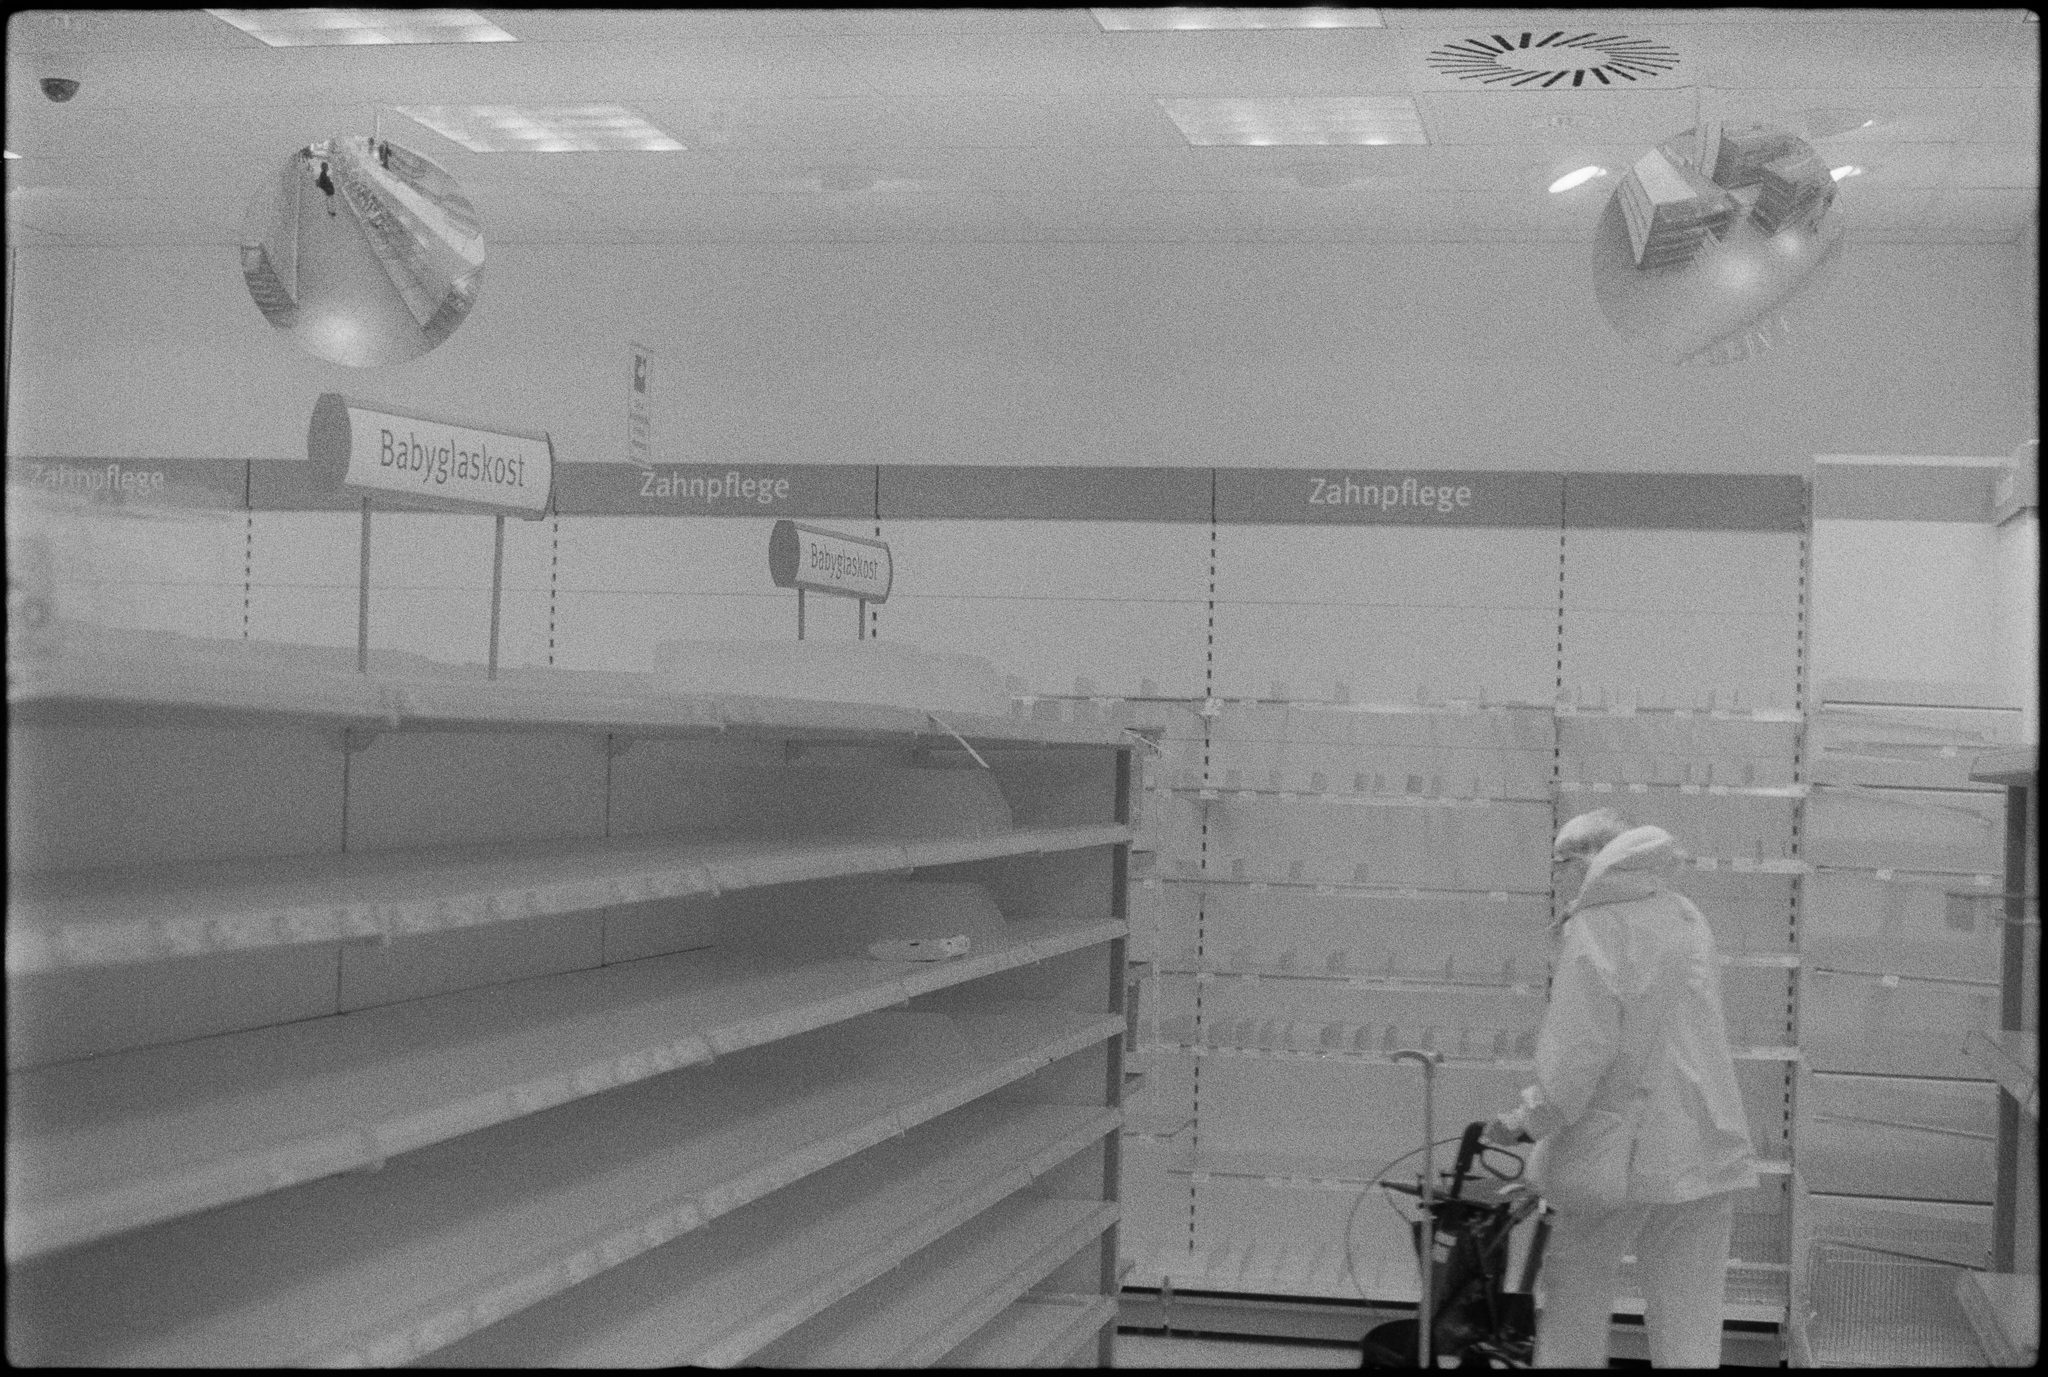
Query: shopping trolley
point(1476, 1321)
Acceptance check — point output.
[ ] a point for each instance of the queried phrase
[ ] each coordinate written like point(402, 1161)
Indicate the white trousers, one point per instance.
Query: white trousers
point(1682, 1257)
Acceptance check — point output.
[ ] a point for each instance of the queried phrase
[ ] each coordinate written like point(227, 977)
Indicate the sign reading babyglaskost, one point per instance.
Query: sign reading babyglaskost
point(810, 557)
point(421, 461)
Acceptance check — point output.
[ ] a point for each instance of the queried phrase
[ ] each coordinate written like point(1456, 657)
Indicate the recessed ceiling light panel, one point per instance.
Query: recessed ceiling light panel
point(1555, 59)
point(1192, 17)
point(324, 28)
point(1297, 120)
point(542, 129)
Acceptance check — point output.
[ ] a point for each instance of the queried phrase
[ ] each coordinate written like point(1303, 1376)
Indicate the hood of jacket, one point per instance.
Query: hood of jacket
point(1635, 865)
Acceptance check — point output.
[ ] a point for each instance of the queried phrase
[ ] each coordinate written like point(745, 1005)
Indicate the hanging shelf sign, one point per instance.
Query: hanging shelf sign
point(821, 561)
point(418, 461)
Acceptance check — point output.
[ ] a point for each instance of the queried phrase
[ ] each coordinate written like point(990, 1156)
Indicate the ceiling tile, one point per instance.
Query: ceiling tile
point(1486, 20)
point(1906, 114)
point(1408, 166)
point(1107, 121)
point(1895, 168)
point(1999, 213)
point(1176, 216)
point(106, 31)
point(849, 122)
point(1896, 208)
point(1521, 167)
point(1995, 165)
point(1852, 50)
point(1528, 117)
point(1288, 62)
point(2008, 117)
point(580, 176)
point(983, 65)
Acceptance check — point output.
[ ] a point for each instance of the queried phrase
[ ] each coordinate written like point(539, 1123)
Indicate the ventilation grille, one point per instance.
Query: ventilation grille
point(1540, 61)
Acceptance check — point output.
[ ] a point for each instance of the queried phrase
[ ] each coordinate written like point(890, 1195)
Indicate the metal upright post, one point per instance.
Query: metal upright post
point(799, 614)
point(1425, 1310)
point(363, 598)
point(497, 583)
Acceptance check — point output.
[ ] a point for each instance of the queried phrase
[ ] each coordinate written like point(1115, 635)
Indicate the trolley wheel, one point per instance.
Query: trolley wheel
point(1393, 1345)
point(1388, 1345)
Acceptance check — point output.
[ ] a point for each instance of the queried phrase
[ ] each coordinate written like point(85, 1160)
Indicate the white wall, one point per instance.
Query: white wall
point(1904, 600)
point(1452, 356)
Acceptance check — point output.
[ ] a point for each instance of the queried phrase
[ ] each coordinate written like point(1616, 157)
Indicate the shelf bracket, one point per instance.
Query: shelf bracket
point(355, 740)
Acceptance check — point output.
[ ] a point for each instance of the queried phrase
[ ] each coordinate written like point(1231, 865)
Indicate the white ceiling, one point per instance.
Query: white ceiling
point(1006, 125)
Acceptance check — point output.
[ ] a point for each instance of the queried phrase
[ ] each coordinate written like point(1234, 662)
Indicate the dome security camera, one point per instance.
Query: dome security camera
point(60, 89)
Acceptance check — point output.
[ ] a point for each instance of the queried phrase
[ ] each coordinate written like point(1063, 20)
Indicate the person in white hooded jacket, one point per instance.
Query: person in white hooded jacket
point(1634, 1043)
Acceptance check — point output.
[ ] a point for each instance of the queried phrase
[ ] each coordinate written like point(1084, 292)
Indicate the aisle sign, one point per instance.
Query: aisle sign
point(810, 557)
point(1386, 497)
point(639, 428)
point(420, 461)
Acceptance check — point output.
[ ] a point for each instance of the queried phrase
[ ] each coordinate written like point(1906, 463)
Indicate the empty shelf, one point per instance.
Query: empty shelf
point(119, 1142)
point(1756, 1293)
point(129, 678)
point(380, 1268)
point(771, 1265)
point(101, 917)
point(141, 678)
point(1279, 1169)
point(1040, 1330)
point(2014, 1058)
point(2005, 1313)
point(1882, 1312)
point(937, 1300)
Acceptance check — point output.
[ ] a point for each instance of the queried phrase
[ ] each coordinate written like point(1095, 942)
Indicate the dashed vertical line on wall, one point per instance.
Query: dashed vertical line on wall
point(1202, 894)
point(874, 611)
point(1799, 727)
point(554, 568)
point(248, 566)
point(1557, 808)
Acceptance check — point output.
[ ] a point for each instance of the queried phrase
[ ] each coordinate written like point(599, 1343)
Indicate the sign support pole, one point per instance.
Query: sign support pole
point(799, 614)
point(860, 628)
point(497, 583)
point(363, 599)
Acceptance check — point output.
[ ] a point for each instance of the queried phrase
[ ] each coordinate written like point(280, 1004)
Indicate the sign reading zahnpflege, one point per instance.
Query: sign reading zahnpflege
point(429, 462)
point(823, 561)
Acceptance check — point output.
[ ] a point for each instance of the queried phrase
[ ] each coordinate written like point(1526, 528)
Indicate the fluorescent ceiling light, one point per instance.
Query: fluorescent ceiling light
point(542, 128)
point(1576, 178)
point(1845, 170)
point(12, 154)
point(1191, 17)
point(310, 28)
point(1297, 120)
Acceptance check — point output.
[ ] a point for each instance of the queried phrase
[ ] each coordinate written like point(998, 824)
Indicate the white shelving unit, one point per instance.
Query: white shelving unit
point(1316, 896)
point(1901, 945)
point(410, 1016)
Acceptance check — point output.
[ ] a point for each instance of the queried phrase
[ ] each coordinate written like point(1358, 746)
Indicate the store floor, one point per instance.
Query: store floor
point(1156, 1350)
point(1185, 1350)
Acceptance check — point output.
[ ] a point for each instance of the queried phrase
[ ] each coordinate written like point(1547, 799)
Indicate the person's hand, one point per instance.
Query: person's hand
point(1498, 1133)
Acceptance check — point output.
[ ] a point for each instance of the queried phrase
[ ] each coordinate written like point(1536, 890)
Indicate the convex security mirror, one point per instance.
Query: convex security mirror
point(1707, 235)
point(363, 251)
